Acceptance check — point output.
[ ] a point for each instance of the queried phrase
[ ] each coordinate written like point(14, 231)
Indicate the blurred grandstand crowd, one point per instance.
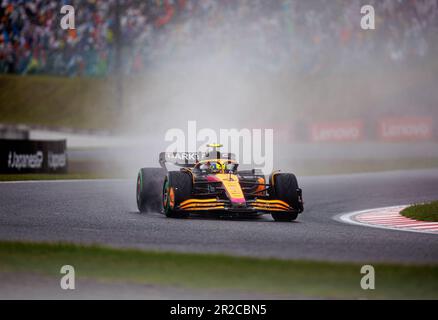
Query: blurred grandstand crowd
point(301, 35)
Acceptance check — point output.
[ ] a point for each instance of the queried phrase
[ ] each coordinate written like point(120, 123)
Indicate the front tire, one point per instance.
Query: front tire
point(285, 188)
point(177, 188)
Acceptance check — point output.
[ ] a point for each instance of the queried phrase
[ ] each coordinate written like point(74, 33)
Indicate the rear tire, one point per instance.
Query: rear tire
point(177, 188)
point(148, 195)
point(285, 188)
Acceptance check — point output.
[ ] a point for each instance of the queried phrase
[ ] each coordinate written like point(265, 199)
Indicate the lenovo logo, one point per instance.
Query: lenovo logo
point(406, 129)
point(336, 131)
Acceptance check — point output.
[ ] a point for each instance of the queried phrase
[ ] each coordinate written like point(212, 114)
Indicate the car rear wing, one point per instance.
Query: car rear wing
point(190, 159)
point(181, 159)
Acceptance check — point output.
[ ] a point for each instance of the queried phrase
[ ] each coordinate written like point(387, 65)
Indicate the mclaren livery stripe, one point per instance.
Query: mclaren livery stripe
point(215, 204)
point(271, 202)
point(205, 205)
point(198, 201)
point(201, 204)
point(270, 209)
point(197, 208)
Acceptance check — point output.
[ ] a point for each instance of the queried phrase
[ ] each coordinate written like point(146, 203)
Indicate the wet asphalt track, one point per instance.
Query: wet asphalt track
point(105, 212)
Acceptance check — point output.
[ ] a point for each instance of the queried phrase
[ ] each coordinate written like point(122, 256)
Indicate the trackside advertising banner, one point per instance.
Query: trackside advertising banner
point(406, 129)
point(339, 131)
point(32, 156)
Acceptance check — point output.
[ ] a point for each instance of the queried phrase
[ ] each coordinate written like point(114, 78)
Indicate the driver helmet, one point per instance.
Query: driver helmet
point(216, 167)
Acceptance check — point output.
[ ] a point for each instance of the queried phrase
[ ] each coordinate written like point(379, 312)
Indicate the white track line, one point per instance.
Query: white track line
point(387, 218)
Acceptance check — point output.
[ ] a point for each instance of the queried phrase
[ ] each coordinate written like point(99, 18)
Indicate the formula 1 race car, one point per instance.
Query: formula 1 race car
point(210, 182)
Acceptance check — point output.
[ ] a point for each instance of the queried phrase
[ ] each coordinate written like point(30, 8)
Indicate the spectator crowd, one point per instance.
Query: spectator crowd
point(298, 35)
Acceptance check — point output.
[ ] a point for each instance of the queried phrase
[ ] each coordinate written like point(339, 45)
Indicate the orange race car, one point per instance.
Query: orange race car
point(211, 182)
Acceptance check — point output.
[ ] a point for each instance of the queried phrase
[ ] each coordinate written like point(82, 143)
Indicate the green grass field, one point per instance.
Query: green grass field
point(82, 103)
point(423, 212)
point(210, 271)
point(93, 103)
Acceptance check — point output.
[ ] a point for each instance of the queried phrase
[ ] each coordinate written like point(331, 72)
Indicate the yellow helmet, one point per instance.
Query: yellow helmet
point(217, 166)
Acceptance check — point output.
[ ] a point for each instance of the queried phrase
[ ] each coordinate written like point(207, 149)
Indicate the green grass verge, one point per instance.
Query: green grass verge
point(93, 103)
point(210, 271)
point(83, 103)
point(423, 212)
